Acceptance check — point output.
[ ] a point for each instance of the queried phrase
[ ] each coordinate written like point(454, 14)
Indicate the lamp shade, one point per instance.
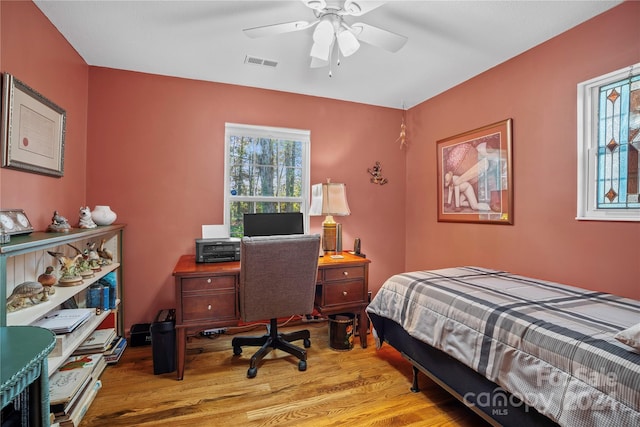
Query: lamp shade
point(323, 37)
point(329, 198)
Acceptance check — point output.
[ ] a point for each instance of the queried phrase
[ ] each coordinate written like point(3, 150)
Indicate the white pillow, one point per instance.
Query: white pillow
point(630, 336)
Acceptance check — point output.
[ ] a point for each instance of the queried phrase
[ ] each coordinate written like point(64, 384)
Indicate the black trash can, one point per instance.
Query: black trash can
point(163, 342)
point(341, 329)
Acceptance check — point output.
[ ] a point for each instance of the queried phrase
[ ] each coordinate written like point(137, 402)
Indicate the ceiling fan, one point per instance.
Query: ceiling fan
point(331, 29)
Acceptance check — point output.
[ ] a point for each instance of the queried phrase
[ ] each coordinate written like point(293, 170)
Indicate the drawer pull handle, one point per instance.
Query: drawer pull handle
point(344, 293)
point(346, 273)
point(209, 307)
point(208, 280)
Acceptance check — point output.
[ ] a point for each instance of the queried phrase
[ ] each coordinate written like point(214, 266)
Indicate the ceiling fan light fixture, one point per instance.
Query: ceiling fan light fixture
point(320, 51)
point(324, 32)
point(323, 37)
point(347, 42)
point(331, 29)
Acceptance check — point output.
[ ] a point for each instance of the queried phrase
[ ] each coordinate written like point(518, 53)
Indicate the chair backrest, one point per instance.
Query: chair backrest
point(278, 275)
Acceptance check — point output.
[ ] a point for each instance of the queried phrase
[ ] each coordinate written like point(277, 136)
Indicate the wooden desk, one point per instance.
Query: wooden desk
point(23, 364)
point(207, 295)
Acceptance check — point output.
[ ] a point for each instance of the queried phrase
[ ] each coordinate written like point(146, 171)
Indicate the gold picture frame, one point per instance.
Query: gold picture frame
point(33, 130)
point(475, 176)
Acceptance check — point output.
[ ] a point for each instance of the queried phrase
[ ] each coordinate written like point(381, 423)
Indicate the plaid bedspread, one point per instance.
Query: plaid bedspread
point(551, 345)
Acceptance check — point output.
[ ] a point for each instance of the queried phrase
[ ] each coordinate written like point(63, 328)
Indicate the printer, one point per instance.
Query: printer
point(217, 250)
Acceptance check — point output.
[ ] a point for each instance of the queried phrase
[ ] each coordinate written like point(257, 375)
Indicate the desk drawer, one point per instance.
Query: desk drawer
point(344, 293)
point(208, 283)
point(208, 307)
point(344, 273)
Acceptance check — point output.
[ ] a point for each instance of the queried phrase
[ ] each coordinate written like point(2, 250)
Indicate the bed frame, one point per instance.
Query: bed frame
point(484, 397)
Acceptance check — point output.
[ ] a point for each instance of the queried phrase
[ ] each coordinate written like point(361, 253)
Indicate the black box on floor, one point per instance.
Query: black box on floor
point(140, 334)
point(163, 342)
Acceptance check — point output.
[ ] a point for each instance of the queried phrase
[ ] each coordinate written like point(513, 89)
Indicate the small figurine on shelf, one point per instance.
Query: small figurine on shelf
point(82, 264)
point(85, 218)
point(93, 257)
point(23, 292)
point(84, 268)
point(47, 280)
point(105, 254)
point(59, 224)
point(68, 269)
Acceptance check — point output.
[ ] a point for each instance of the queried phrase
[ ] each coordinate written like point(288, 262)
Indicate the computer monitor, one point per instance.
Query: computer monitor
point(271, 224)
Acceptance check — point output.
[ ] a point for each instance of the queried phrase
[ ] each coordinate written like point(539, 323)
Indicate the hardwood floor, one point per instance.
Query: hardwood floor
point(360, 387)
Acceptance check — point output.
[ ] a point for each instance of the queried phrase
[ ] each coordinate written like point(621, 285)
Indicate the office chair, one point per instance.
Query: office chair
point(277, 279)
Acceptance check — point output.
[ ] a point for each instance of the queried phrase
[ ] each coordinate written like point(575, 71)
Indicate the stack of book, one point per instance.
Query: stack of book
point(98, 342)
point(105, 341)
point(73, 387)
point(114, 354)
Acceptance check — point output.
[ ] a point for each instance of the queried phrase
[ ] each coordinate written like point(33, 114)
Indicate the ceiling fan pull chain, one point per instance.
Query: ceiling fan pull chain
point(331, 63)
point(331, 60)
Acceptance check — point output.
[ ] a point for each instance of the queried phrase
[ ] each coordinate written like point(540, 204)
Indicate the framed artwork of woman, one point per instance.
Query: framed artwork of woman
point(475, 182)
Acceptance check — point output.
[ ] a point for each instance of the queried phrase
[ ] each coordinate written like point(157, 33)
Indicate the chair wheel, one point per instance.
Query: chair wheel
point(237, 351)
point(252, 372)
point(302, 365)
point(307, 343)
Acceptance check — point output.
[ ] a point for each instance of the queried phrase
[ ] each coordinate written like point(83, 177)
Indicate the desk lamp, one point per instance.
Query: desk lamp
point(329, 199)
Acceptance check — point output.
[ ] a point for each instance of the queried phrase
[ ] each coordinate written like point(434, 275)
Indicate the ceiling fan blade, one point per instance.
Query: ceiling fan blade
point(360, 7)
point(315, 4)
point(378, 37)
point(269, 30)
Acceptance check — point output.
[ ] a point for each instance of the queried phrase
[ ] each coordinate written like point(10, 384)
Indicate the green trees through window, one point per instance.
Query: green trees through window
point(267, 170)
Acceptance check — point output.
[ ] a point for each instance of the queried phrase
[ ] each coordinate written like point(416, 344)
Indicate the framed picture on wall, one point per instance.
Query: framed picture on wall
point(475, 177)
point(33, 130)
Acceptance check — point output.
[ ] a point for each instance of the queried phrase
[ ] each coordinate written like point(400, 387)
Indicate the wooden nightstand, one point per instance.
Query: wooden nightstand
point(343, 287)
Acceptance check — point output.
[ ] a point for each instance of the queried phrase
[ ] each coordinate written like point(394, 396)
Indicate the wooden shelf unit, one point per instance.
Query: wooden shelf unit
point(25, 257)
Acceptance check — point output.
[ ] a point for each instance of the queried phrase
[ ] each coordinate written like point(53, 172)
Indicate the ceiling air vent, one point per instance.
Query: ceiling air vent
point(260, 61)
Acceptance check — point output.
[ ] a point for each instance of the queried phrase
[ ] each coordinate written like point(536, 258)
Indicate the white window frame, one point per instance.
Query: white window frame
point(588, 93)
point(275, 133)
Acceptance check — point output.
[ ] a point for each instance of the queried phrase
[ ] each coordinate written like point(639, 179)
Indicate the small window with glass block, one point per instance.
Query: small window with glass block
point(609, 146)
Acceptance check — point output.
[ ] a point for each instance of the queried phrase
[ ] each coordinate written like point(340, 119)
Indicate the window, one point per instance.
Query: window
point(609, 146)
point(266, 170)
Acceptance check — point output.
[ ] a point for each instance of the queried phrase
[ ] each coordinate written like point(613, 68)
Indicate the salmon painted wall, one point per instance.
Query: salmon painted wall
point(156, 156)
point(152, 148)
point(35, 52)
point(538, 91)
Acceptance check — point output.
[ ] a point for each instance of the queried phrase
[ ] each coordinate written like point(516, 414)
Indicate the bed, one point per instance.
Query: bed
point(518, 351)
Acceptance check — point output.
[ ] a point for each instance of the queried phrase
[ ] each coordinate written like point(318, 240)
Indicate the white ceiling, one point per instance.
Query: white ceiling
point(449, 42)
